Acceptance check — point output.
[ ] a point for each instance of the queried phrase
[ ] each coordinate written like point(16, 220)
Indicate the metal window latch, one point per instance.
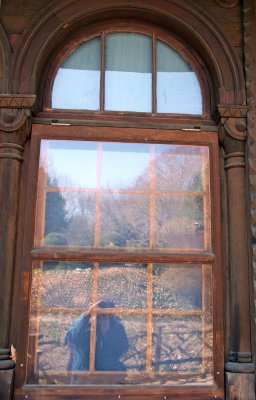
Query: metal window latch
point(195, 129)
point(56, 122)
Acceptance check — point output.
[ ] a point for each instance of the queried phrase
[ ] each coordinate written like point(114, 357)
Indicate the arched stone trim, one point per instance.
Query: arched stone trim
point(5, 61)
point(57, 22)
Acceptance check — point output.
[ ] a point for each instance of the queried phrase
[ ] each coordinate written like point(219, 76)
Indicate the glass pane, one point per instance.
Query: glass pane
point(178, 90)
point(70, 163)
point(125, 166)
point(177, 344)
point(128, 195)
point(124, 284)
point(125, 221)
point(180, 222)
point(77, 83)
point(69, 219)
point(181, 168)
point(141, 322)
point(122, 347)
point(177, 287)
point(128, 75)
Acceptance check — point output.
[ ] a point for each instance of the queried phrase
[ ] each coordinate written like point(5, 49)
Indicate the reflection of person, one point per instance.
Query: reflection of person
point(111, 341)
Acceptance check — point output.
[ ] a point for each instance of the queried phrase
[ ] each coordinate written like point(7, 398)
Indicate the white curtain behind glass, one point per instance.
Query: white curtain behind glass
point(77, 83)
point(178, 90)
point(128, 79)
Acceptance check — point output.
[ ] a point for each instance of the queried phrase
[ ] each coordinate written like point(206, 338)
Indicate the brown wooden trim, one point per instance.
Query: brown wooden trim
point(129, 393)
point(121, 255)
point(117, 134)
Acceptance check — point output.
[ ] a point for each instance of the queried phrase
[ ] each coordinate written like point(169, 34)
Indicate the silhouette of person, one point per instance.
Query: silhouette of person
point(111, 341)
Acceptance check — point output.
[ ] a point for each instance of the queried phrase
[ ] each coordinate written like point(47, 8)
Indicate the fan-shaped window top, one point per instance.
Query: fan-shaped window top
point(127, 72)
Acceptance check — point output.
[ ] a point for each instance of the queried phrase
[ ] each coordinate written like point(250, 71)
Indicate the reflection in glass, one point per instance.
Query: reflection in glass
point(180, 168)
point(71, 164)
point(177, 286)
point(125, 166)
point(178, 90)
point(69, 219)
point(132, 319)
point(125, 221)
point(177, 345)
point(128, 75)
point(124, 284)
point(77, 83)
point(180, 222)
point(129, 195)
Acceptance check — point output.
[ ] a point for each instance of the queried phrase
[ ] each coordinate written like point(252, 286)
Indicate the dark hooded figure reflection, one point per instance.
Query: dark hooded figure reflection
point(111, 341)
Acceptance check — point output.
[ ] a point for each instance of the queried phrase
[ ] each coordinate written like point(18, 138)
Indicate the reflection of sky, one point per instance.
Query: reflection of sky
point(73, 168)
point(74, 164)
point(78, 164)
point(122, 164)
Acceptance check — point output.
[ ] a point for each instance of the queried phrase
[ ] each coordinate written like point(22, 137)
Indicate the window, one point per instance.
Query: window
point(127, 72)
point(126, 242)
point(122, 282)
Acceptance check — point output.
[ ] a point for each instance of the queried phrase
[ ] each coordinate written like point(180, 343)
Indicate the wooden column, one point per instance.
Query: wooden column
point(15, 112)
point(239, 367)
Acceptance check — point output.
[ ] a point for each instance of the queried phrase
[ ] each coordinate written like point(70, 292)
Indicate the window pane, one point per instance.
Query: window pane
point(77, 83)
point(128, 76)
point(125, 221)
point(126, 195)
point(180, 222)
point(124, 284)
point(143, 322)
point(178, 90)
point(177, 286)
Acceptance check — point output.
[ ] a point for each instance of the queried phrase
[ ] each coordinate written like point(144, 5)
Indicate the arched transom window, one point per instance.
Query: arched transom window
point(127, 72)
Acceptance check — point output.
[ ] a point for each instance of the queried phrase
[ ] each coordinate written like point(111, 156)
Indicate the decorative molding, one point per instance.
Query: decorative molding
point(11, 120)
point(19, 101)
point(235, 128)
point(230, 111)
point(227, 3)
point(240, 357)
point(249, 13)
point(242, 368)
point(232, 124)
point(5, 61)
point(42, 42)
point(15, 119)
point(6, 361)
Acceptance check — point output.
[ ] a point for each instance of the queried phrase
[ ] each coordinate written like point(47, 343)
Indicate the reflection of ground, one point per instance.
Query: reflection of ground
point(178, 345)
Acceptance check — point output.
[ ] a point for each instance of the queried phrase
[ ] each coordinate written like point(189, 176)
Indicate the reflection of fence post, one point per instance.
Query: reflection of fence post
point(159, 339)
point(206, 318)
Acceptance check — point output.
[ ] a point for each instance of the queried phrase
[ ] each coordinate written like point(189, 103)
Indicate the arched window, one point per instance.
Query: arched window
point(126, 241)
point(127, 72)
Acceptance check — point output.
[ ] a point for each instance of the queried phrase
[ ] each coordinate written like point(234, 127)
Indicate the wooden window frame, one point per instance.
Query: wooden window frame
point(162, 134)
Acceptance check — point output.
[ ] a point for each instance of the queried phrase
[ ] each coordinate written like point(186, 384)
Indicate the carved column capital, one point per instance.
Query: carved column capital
point(227, 3)
point(232, 127)
point(15, 117)
point(6, 361)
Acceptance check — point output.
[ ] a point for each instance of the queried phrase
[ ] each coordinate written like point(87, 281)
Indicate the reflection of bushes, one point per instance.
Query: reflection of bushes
point(55, 239)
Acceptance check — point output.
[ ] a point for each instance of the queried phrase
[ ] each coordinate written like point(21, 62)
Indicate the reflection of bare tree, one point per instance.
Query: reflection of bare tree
point(80, 207)
point(125, 221)
point(155, 211)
